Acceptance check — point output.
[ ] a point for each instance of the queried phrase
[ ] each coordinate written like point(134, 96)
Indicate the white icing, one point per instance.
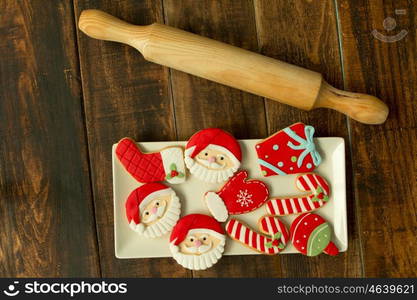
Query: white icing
point(197, 262)
point(216, 206)
point(163, 225)
point(173, 155)
point(212, 176)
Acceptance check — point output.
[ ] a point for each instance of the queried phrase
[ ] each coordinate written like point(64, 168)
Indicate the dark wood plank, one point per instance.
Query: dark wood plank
point(305, 33)
point(123, 96)
point(46, 214)
point(385, 156)
point(200, 103)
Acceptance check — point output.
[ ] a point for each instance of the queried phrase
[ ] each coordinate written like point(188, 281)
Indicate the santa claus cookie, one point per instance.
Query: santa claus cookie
point(273, 242)
point(289, 151)
point(152, 209)
point(197, 242)
point(237, 196)
point(212, 155)
point(319, 193)
point(311, 235)
point(167, 164)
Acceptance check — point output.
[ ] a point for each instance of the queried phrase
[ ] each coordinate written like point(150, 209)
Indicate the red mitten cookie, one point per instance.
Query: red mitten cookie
point(152, 209)
point(289, 151)
point(275, 241)
point(167, 164)
point(212, 155)
point(197, 242)
point(319, 196)
point(311, 235)
point(237, 196)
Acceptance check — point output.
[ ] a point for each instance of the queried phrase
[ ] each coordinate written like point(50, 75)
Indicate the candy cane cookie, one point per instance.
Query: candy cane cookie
point(319, 195)
point(275, 238)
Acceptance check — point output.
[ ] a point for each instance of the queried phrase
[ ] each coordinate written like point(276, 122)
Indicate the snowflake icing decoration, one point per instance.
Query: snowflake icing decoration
point(244, 198)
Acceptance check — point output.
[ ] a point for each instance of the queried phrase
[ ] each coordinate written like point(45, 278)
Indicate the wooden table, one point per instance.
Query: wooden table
point(66, 98)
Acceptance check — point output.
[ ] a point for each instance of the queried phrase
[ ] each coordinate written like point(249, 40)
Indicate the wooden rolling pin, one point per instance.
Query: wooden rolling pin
point(233, 66)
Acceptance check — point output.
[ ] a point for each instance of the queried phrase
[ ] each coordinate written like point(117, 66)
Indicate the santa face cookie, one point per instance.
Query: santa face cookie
point(311, 235)
point(167, 164)
point(289, 151)
point(152, 209)
point(237, 196)
point(212, 155)
point(197, 242)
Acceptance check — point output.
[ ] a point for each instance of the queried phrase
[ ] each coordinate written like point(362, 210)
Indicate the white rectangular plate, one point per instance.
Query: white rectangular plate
point(129, 244)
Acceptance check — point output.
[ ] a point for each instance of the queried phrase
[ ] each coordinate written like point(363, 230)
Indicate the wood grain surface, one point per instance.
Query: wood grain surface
point(385, 161)
point(46, 216)
point(66, 98)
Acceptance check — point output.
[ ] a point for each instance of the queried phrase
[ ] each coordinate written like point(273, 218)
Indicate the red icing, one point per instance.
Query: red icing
point(281, 158)
point(302, 227)
point(143, 167)
point(237, 189)
point(309, 182)
point(267, 225)
point(214, 136)
point(137, 196)
point(193, 221)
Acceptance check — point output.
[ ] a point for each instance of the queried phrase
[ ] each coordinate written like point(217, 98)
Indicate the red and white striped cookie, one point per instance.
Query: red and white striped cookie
point(275, 241)
point(319, 196)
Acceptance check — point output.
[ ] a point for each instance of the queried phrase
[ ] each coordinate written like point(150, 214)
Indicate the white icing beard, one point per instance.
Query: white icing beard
point(205, 174)
point(164, 224)
point(198, 262)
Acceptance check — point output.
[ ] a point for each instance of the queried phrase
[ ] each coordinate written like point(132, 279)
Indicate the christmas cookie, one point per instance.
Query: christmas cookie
point(167, 164)
point(274, 242)
point(237, 196)
point(311, 235)
point(212, 155)
point(318, 197)
point(197, 242)
point(152, 209)
point(289, 151)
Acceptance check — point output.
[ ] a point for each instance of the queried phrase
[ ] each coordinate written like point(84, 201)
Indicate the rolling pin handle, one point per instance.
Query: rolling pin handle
point(363, 108)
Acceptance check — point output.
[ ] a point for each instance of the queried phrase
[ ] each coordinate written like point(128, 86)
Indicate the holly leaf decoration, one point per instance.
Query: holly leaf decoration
point(180, 175)
point(173, 167)
point(315, 199)
point(168, 176)
point(319, 190)
point(281, 246)
point(325, 198)
point(268, 244)
point(277, 235)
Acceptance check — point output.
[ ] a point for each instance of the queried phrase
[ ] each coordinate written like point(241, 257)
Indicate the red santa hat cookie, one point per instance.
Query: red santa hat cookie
point(289, 151)
point(237, 196)
point(197, 241)
point(213, 155)
point(311, 235)
point(167, 164)
point(152, 209)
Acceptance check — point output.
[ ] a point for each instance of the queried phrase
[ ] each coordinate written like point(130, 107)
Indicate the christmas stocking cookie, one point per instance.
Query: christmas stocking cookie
point(275, 238)
point(311, 235)
point(289, 151)
point(237, 196)
point(152, 209)
point(212, 155)
point(197, 241)
point(167, 164)
point(318, 197)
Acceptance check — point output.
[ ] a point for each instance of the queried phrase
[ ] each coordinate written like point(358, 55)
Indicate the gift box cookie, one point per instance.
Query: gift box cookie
point(289, 151)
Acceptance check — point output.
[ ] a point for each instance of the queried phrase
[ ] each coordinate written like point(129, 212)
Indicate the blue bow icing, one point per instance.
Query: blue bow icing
point(306, 144)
